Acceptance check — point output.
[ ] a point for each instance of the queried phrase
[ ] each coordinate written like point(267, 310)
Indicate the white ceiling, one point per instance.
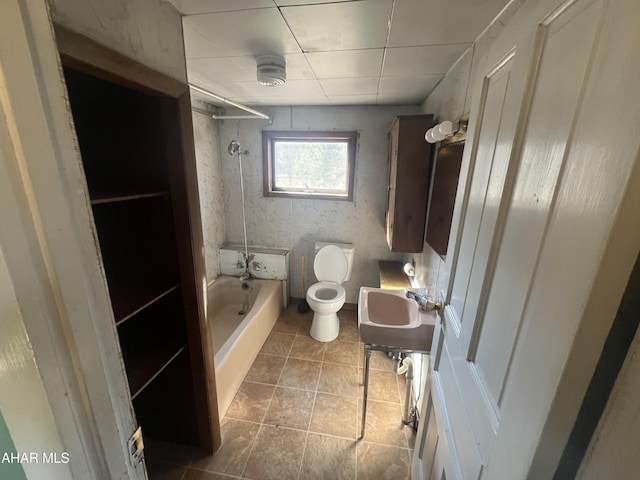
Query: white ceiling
point(373, 52)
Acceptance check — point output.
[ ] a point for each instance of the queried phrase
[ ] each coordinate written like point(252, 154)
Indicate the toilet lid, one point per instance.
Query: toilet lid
point(330, 264)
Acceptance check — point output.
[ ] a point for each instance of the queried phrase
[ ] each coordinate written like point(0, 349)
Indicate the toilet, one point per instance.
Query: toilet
point(332, 266)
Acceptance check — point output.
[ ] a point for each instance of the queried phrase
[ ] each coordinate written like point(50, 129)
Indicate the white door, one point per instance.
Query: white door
point(550, 156)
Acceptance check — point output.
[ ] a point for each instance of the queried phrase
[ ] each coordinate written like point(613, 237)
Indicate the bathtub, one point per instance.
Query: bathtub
point(237, 338)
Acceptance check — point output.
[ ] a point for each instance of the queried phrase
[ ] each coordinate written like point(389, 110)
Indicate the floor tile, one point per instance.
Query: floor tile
point(383, 386)
point(306, 348)
point(380, 361)
point(380, 462)
point(302, 374)
point(340, 379)
point(251, 402)
point(384, 423)
point(290, 408)
point(328, 458)
point(231, 457)
point(348, 328)
point(266, 369)
point(276, 455)
point(278, 344)
point(334, 415)
point(287, 324)
point(346, 353)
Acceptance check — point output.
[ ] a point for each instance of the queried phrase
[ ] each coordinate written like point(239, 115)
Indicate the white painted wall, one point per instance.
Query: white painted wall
point(149, 31)
point(298, 224)
point(210, 187)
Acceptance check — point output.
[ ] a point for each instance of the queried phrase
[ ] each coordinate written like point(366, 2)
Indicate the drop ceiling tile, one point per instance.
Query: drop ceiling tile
point(246, 32)
point(220, 70)
point(196, 46)
point(408, 85)
point(353, 99)
point(350, 86)
point(190, 7)
point(400, 99)
point(340, 26)
point(301, 100)
point(292, 88)
point(297, 66)
point(346, 63)
point(422, 60)
point(417, 22)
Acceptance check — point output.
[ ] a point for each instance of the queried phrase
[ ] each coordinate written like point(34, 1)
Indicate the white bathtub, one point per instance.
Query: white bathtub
point(237, 338)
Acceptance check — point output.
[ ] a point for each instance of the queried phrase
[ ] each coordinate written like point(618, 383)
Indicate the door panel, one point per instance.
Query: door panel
point(544, 149)
point(530, 100)
point(494, 96)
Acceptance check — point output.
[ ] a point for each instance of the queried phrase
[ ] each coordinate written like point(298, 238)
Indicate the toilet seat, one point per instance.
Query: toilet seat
point(326, 292)
point(331, 265)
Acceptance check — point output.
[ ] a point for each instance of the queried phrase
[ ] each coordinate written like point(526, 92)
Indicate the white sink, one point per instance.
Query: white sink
point(379, 307)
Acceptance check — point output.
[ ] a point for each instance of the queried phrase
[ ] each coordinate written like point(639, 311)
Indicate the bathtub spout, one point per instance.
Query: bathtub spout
point(245, 305)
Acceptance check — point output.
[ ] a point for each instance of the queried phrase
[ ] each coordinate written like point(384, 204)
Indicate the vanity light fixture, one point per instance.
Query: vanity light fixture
point(445, 130)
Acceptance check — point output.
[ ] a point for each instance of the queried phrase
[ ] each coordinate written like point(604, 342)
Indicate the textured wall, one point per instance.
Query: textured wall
point(298, 224)
point(149, 31)
point(210, 188)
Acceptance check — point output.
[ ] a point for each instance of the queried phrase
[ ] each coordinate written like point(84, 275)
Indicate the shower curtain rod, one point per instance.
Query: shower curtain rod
point(254, 113)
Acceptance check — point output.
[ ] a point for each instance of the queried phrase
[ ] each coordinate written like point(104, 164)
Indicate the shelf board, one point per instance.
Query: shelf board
point(144, 366)
point(129, 298)
point(123, 197)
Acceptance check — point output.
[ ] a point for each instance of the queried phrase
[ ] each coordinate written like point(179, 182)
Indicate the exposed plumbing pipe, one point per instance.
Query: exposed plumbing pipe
point(234, 149)
point(406, 367)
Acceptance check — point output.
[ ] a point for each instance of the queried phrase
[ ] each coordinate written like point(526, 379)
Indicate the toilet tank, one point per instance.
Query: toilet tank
point(347, 248)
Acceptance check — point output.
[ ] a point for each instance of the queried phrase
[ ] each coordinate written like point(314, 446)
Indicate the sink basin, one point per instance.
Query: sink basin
point(387, 308)
point(389, 318)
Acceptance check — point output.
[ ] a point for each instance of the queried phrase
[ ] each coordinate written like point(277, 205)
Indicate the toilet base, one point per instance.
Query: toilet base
point(325, 327)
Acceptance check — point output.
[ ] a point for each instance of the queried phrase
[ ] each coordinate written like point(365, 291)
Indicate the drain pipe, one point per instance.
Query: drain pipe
point(406, 367)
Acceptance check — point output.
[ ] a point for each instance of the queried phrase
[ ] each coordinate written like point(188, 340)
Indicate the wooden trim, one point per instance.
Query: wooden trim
point(88, 56)
point(268, 136)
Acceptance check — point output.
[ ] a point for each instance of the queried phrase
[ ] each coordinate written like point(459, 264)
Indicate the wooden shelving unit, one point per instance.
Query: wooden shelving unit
point(125, 139)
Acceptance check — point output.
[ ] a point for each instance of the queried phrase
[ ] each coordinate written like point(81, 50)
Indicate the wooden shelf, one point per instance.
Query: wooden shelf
point(143, 365)
point(130, 298)
point(124, 197)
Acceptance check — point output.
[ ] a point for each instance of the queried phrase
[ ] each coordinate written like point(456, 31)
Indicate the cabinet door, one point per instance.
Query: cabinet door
point(391, 181)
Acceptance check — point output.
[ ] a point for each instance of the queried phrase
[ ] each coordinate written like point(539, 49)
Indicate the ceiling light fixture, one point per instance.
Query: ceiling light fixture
point(271, 70)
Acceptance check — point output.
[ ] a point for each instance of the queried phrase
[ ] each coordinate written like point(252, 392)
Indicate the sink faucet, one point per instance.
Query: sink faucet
point(422, 298)
point(244, 275)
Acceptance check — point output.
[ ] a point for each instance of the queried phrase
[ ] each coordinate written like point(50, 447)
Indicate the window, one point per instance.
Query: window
point(316, 165)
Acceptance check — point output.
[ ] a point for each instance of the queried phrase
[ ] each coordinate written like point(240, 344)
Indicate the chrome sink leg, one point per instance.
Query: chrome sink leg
point(367, 363)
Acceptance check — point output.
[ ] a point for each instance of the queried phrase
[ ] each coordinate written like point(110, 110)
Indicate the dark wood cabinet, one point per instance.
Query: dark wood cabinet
point(134, 157)
point(443, 196)
point(408, 185)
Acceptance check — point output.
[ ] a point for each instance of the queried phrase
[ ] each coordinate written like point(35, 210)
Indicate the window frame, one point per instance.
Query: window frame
point(269, 137)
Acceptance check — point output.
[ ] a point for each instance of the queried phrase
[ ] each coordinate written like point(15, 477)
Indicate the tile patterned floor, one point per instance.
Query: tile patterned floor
point(297, 415)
